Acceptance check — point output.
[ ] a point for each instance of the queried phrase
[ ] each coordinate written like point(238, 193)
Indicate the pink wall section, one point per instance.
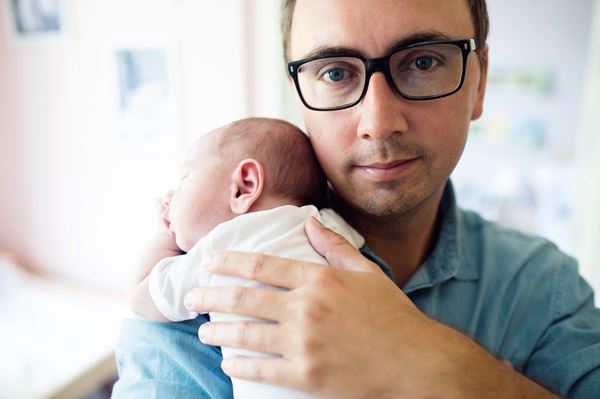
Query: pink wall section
point(32, 126)
point(77, 198)
point(14, 221)
point(61, 177)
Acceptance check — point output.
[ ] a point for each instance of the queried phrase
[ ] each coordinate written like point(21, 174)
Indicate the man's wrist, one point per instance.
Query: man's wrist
point(472, 372)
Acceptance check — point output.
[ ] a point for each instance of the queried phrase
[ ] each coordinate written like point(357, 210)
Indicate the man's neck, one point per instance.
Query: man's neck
point(404, 241)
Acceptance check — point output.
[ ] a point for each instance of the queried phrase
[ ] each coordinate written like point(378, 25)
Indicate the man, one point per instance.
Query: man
point(388, 88)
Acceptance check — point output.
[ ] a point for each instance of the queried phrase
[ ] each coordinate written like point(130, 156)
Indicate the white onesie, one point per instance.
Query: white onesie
point(278, 232)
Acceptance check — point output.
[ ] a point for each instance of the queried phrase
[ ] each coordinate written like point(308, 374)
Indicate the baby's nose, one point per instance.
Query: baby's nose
point(166, 199)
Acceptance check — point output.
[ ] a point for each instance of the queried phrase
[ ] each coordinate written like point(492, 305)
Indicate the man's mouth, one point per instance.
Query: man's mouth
point(383, 171)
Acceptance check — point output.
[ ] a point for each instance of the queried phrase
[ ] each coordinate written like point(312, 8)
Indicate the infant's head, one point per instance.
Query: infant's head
point(249, 165)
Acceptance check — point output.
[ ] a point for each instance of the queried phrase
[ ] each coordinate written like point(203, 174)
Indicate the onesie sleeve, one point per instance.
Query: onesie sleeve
point(173, 277)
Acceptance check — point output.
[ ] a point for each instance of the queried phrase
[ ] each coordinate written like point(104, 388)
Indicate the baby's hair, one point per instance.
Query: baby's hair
point(291, 167)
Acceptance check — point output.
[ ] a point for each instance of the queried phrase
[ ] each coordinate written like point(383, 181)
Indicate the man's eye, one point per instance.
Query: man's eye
point(335, 74)
point(425, 63)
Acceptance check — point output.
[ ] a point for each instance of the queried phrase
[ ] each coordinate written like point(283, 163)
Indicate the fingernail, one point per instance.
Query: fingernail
point(188, 301)
point(225, 365)
point(202, 332)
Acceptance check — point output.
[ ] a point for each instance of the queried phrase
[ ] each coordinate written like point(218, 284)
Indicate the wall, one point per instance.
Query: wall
point(271, 93)
point(588, 195)
point(78, 197)
point(525, 140)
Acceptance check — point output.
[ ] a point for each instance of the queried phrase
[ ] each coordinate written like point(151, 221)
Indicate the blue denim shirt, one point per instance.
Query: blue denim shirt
point(516, 295)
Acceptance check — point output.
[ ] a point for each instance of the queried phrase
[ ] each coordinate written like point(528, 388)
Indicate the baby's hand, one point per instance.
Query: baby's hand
point(161, 245)
point(165, 238)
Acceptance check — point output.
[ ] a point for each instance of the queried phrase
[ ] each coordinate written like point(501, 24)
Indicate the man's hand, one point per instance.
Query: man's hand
point(345, 331)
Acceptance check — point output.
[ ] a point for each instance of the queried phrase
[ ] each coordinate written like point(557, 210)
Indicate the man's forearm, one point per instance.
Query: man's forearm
point(481, 374)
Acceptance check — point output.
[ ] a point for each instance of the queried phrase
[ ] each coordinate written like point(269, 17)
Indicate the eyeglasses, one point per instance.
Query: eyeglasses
point(420, 71)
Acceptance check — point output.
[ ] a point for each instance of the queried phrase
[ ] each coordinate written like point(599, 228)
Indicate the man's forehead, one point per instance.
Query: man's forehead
point(373, 27)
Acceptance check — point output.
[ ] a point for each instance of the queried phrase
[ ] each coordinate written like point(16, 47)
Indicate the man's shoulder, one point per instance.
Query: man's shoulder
point(500, 252)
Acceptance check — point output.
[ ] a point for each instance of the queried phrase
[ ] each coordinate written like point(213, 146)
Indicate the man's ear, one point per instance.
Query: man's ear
point(478, 109)
point(247, 183)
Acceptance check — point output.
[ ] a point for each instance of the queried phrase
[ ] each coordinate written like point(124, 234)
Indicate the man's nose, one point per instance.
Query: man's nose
point(382, 111)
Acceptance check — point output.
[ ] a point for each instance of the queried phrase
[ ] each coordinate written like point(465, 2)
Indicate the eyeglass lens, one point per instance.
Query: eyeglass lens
point(418, 72)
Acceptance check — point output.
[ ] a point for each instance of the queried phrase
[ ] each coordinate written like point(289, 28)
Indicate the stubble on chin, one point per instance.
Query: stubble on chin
point(398, 198)
point(391, 200)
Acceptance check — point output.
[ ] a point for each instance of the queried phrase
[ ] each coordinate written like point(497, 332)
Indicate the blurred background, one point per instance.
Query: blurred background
point(99, 101)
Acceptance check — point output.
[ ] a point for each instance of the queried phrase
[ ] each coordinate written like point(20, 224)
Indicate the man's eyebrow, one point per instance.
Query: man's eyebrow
point(424, 36)
point(326, 51)
point(419, 37)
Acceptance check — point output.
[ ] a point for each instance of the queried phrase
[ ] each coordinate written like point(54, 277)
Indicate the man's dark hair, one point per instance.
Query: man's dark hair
point(478, 9)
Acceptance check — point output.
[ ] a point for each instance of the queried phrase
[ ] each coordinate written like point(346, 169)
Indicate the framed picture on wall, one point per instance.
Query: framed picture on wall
point(146, 106)
point(36, 20)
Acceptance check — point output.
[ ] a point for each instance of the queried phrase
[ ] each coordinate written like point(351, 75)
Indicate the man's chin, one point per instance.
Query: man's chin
point(392, 203)
point(378, 208)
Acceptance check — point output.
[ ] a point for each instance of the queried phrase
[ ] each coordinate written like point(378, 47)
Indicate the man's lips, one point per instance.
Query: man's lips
point(387, 170)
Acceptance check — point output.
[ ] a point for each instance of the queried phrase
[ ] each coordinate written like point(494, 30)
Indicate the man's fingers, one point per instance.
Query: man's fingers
point(253, 302)
point(258, 336)
point(270, 270)
point(266, 370)
point(338, 252)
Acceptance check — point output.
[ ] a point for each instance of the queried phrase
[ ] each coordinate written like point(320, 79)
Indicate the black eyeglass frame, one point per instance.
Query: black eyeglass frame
point(382, 64)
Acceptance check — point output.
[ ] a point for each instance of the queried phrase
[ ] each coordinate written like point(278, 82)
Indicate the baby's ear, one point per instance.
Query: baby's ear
point(247, 182)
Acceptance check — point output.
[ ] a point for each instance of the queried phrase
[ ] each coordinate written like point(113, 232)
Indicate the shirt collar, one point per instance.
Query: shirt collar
point(448, 258)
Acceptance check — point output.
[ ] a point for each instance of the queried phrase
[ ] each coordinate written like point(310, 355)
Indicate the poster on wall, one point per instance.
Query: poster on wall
point(146, 102)
point(37, 20)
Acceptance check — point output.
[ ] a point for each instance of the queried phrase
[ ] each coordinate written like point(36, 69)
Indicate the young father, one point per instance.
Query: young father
point(464, 308)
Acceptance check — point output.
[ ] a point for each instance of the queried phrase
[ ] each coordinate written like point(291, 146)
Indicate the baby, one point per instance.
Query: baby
point(249, 186)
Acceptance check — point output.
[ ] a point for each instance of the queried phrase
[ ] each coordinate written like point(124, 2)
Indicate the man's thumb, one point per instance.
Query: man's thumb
point(333, 247)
